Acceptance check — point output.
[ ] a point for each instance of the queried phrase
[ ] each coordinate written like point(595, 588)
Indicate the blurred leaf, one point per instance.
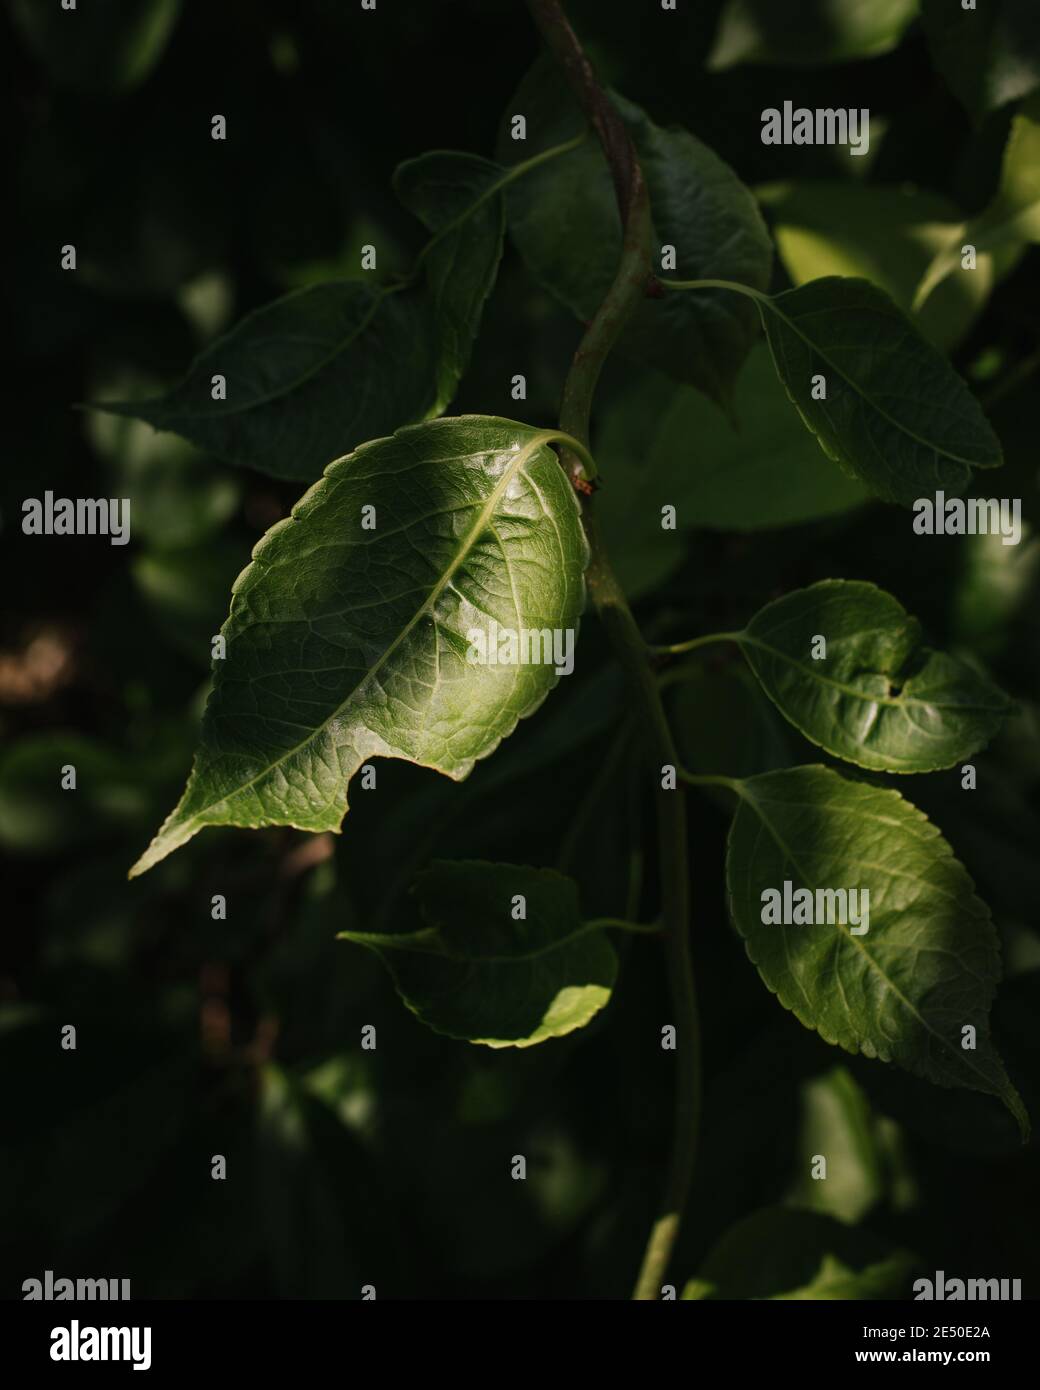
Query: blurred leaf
point(115, 790)
point(808, 33)
point(103, 46)
point(363, 652)
point(660, 445)
point(989, 55)
point(928, 964)
point(176, 498)
point(878, 698)
point(776, 1253)
point(996, 582)
point(322, 1211)
point(478, 973)
point(186, 591)
point(838, 1125)
point(896, 414)
point(117, 1101)
point(885, 234)
point(564, 220)
point(1012, 218)
point(314, 374)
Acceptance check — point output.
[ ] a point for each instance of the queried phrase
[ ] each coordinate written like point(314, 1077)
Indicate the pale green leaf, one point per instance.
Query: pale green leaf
point(836, 1123)
point(564, 220)
point(808, 33)
point(882, 233)
point(928, 964)
point(1010, 221)
point(346, 644)
point(880, 697)
point(896, 415)
point(478, 973)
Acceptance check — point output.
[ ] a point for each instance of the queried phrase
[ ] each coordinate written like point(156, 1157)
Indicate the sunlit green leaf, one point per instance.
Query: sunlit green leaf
point(807, 33)
point(346, 643)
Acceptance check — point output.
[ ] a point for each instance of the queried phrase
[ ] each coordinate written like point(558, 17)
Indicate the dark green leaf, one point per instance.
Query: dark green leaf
point(445, 189)
point(662, 445)
point(475, 972)
point(1011, 220)
point(927, 966)
point(345, 644)
point(989, 55)
point(778, 1253)
point(878, 698)
point(100, 46)
point(564, 220)
point(896, 415)
point(323, 369)
point(808, 33)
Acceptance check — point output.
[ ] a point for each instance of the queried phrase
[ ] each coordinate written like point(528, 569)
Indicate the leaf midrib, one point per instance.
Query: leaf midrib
point(892, 701)
point(480, 525)
point(857, 390)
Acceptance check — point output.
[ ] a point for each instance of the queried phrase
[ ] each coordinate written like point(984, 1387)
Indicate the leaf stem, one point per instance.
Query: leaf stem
point(678, 648)
point(630, 286)
point(619, 924)
point(733, 285)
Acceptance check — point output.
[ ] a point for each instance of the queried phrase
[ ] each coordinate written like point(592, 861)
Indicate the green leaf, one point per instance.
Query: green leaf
point(345, 644)
point(102, 47)
point(837, 1123)
point(885, 234)
point(777, 1253)
point(663, 445)
point(323, 369)
point(896, 414)
point(808, 33)
point(447, 190)
point(1011, 220)
point(474, 972)
point(989, 55)
point(927, 966)
point(563, 218)
point(879, 698)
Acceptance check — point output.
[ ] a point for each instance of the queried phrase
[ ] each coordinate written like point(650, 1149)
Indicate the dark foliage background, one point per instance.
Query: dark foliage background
point(242, 1037)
